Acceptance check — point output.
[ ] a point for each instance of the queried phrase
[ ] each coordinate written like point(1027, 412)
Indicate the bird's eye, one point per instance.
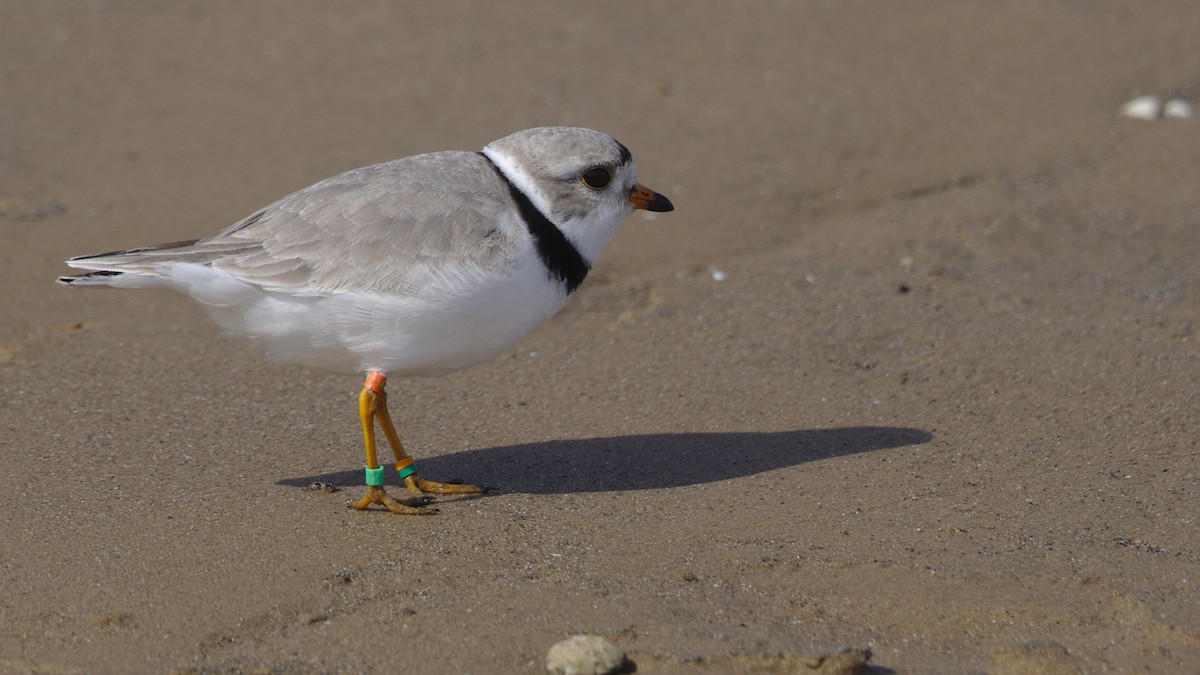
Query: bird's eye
point(597, 177)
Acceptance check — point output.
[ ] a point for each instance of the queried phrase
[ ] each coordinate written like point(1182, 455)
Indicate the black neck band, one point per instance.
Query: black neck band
point(561, 258)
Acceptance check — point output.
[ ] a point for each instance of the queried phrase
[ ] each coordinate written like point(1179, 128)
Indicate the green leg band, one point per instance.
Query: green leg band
point(375, 476)
point(407, 471)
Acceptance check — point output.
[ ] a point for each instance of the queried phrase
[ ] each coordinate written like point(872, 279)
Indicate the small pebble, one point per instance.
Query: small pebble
point(112, 620)
point(1178, 108)
point(1143, 108)
point(586, 655)
point(314, 617)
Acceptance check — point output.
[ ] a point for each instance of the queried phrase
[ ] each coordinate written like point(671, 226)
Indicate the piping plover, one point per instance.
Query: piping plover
point(418, 266)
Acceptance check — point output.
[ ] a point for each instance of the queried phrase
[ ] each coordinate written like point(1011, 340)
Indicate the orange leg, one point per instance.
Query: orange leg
point(372, 406)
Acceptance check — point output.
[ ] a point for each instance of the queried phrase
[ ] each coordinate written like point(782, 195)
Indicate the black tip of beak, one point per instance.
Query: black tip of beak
point(649, 200)
point(660, 204)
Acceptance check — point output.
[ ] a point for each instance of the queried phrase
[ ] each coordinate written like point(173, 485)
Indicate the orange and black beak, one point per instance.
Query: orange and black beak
point(645, 198)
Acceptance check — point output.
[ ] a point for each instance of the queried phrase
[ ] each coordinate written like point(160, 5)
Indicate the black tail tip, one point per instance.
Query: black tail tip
point(88, 278)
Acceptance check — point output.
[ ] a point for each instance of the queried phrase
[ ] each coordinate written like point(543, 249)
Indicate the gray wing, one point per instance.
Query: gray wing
point(389, 227)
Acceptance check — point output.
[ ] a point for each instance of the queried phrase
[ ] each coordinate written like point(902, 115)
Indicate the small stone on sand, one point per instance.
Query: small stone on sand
point(586, 655)
point(1179, 108)
point(1143, 108)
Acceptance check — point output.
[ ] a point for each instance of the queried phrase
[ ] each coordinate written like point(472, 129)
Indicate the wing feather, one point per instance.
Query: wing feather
point(390, 228)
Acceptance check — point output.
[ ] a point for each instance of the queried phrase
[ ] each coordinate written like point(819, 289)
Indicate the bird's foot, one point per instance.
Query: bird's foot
point(377, 496)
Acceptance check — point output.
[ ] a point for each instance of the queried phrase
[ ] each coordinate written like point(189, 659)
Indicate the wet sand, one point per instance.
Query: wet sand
point(911, 368)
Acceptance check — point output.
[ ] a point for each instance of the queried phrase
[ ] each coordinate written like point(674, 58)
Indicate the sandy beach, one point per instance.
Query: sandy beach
point(910, 370)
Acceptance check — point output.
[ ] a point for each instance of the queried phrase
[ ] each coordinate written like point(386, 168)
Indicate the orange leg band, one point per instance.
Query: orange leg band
point(375, 382)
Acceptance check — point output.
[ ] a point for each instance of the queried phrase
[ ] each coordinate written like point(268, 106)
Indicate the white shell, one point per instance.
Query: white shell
point(1179, 108)
point(1143, 108)
point(585, 655)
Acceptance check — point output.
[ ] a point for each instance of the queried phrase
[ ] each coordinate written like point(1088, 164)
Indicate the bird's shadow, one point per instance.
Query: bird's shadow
point(640, 462)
